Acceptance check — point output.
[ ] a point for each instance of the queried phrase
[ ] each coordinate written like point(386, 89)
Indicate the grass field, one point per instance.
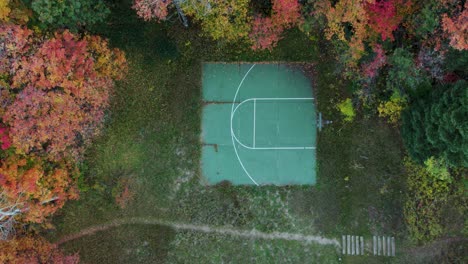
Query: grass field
point(152, 136)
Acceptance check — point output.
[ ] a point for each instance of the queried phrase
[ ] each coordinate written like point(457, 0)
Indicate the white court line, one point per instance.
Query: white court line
point(279, 148)
point(278, 98)
point(235, 139)
point(254, 113)
point(254, 147)
point(232, 132)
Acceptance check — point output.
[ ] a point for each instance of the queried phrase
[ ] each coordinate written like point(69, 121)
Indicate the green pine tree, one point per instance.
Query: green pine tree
point(437, 126)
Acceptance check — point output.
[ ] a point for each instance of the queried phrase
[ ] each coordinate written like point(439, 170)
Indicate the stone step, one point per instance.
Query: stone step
point(381, 246)
point(352, 245)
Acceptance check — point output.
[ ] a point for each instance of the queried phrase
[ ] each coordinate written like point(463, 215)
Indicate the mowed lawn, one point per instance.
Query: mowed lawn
point(152, 137)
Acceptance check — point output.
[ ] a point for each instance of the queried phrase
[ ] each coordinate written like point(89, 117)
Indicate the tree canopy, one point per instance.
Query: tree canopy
point(69, 13)
point(436, 126)
point(59, 89)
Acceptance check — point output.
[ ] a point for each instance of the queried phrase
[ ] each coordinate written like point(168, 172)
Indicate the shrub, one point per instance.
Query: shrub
point(392, 109)
point(122, 192)
point(425, 200)
point(347, 110)
point(437, 169)
point(403, 75)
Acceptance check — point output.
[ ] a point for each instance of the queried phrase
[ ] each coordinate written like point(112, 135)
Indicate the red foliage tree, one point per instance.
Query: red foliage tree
point(266, 31)
point(384, 18)
point(47, 121)
point(286, 12)
point(370, 69)
point(63, 86)
point(4, 138)
point(34, 250)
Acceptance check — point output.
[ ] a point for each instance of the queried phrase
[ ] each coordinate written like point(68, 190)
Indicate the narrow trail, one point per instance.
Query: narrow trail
point(250, 234)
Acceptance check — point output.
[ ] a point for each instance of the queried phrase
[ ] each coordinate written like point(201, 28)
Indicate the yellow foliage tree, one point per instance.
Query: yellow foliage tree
point(392, 109)
point(227, 20)
point(4, 10)
point(350, 12)
point(14, 11)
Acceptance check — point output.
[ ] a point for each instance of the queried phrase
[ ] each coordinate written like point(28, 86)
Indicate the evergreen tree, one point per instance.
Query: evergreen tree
point(437, 126)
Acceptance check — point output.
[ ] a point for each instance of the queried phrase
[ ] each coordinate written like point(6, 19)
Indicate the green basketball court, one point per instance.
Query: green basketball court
point(258, 125)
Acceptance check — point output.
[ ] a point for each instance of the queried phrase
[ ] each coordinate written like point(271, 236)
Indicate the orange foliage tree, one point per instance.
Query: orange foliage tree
point(33, 250)
point(36, 188)
point(457, 28)
point(54, 92)
point(343, 13)
point(61, 89)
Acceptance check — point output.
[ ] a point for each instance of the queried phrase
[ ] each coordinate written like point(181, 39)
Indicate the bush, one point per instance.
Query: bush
point(392, 109)
point(437, 169)
point(403, 75)
point(425, 200)
point(347, 110)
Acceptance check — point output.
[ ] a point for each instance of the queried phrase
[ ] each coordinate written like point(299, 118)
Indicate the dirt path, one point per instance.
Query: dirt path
point(250, 234)
point(434, 249)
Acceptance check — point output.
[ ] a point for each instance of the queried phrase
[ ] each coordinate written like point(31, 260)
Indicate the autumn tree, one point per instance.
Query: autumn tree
point(61, 89)
point(357, 23)
point(383, 17)
point(15, 42)
point(4, 10)
point(370, 69)
point(347, 21)
point(34, 250)
point(226, 20)
point(35, 188)
point(266, 31)
point(457, 28)
point(14, 11)
point(152, 9)
point(54, 92)
point(5, 141)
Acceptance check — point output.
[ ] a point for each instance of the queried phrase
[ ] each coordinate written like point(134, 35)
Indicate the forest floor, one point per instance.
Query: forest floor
point(152, 138)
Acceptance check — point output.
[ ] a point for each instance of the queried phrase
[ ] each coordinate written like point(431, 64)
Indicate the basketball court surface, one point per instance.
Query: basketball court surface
point(259, 125)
